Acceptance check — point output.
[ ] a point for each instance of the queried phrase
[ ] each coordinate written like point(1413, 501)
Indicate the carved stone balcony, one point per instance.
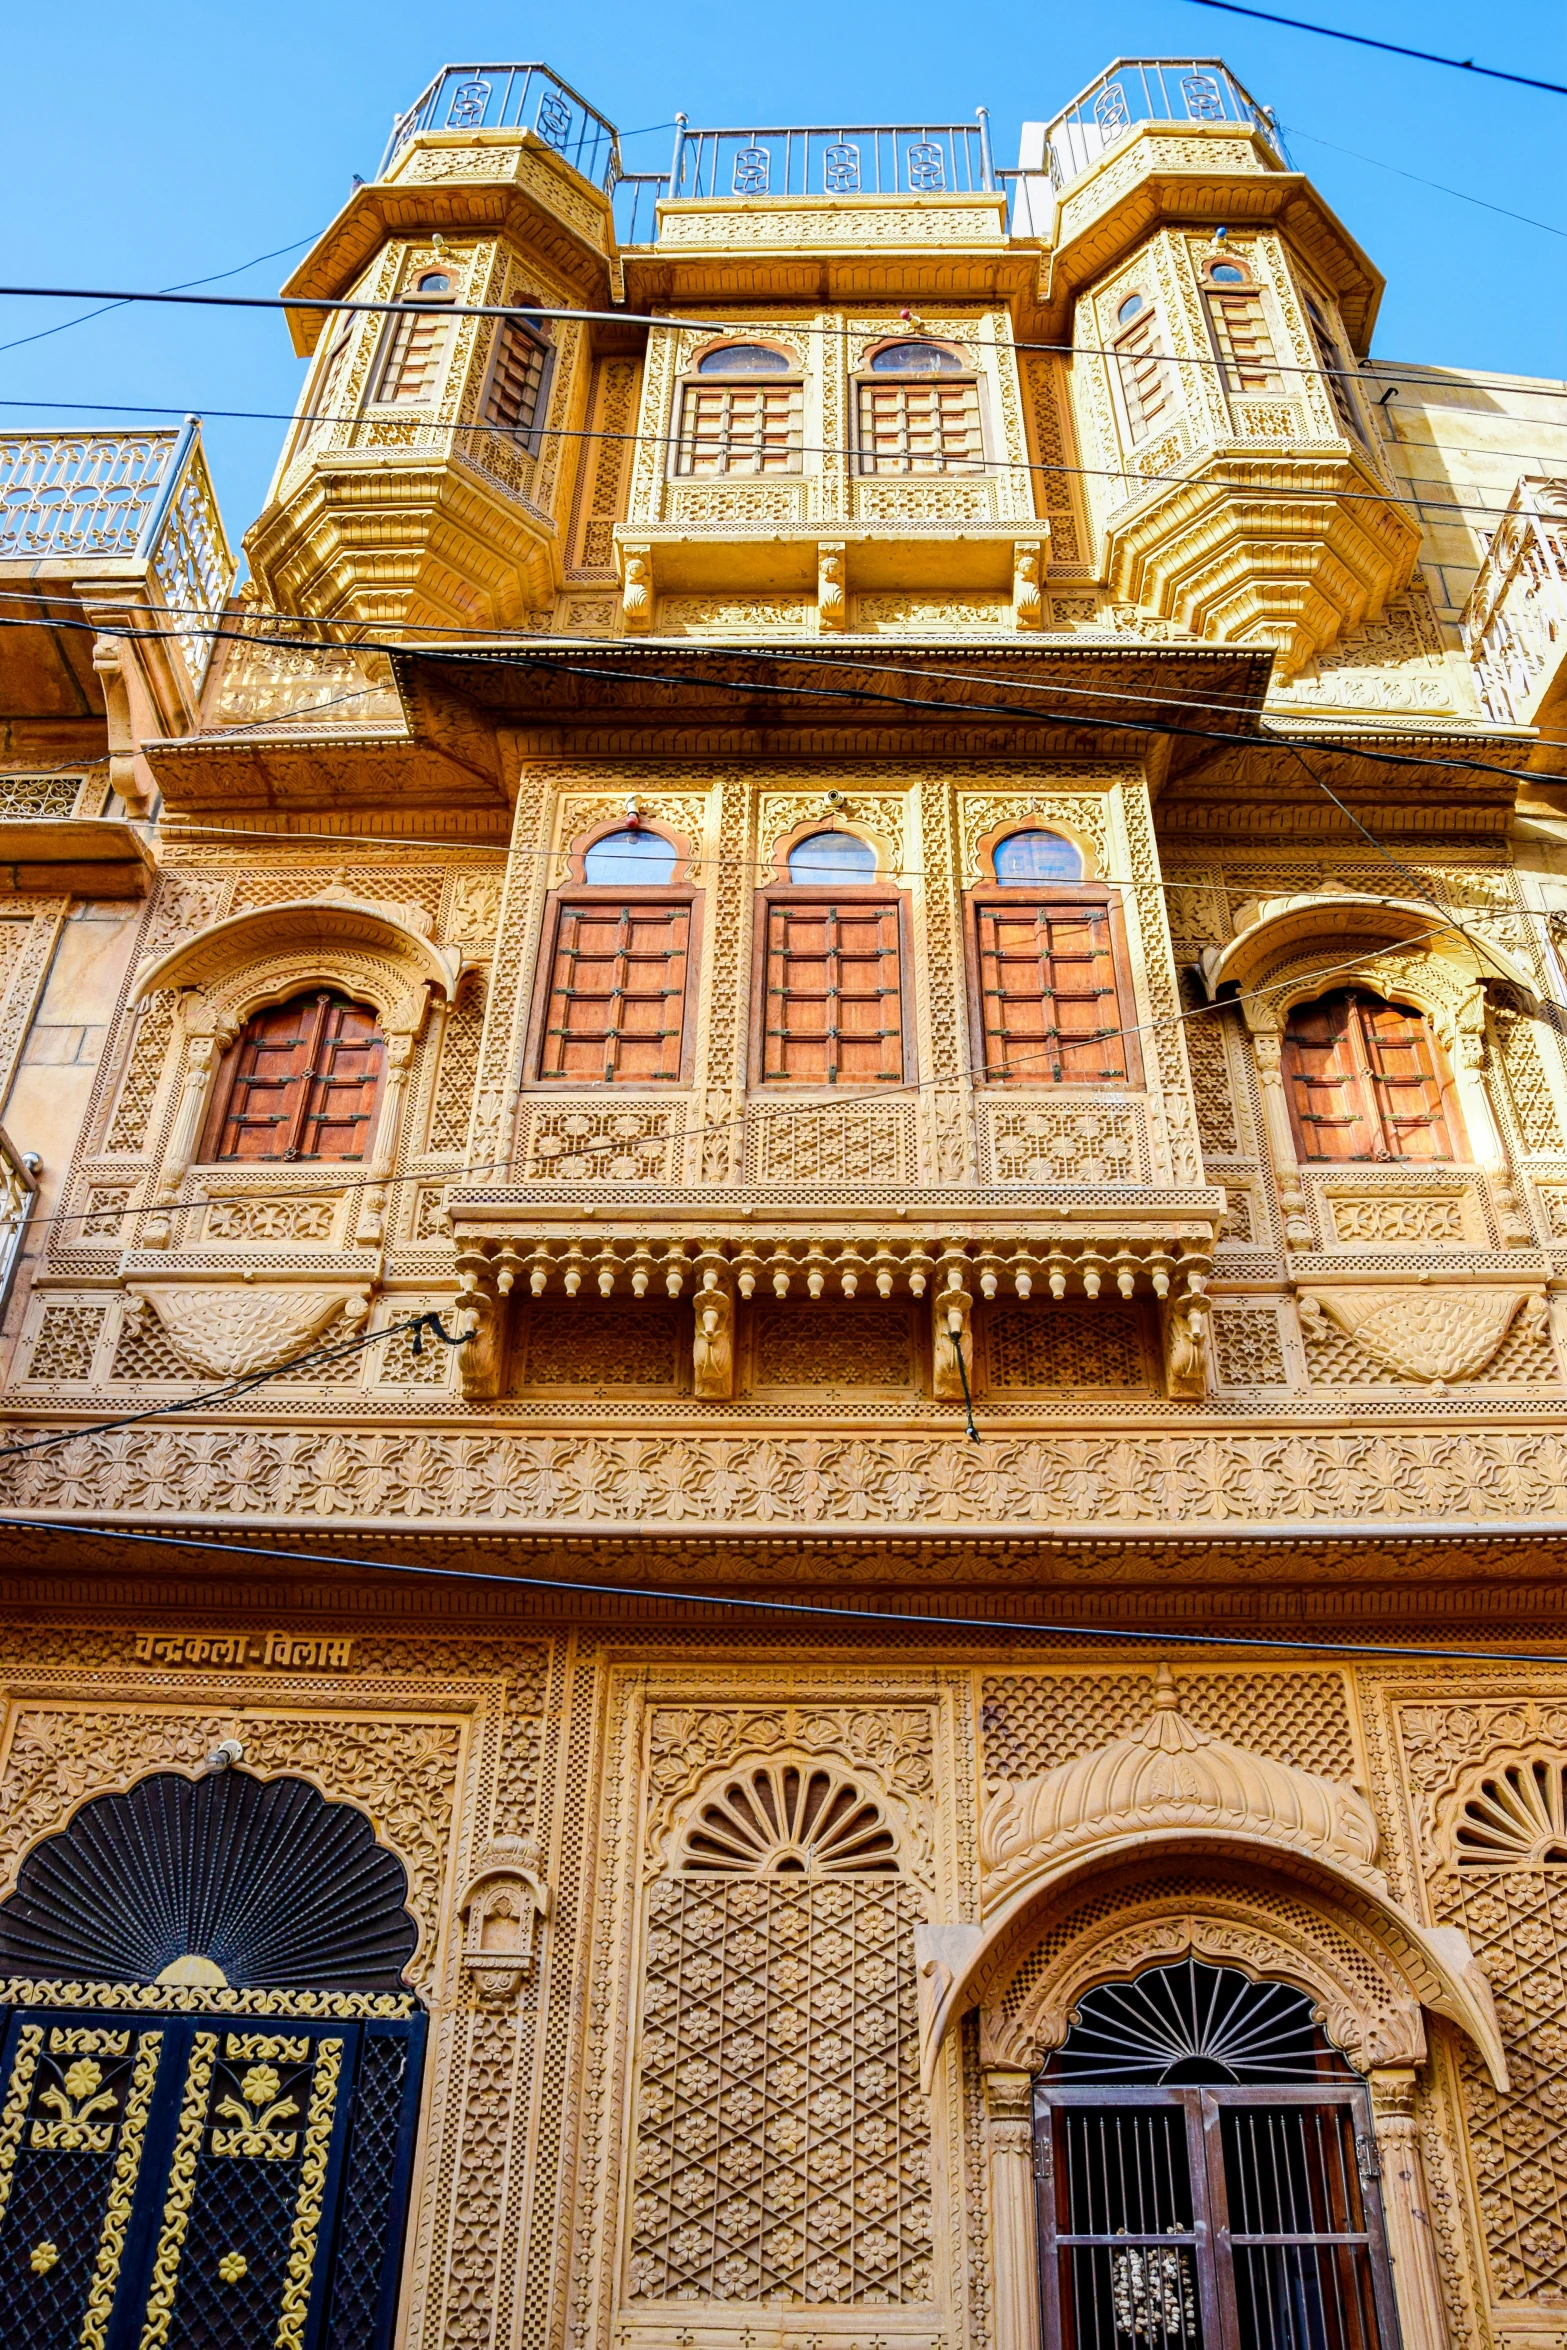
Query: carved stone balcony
point(945, 1248)
point(1515, 623)
point(1276, 550)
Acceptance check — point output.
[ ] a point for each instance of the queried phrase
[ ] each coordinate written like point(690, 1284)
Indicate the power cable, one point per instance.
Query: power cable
point(1327, 32)
point(910, 326)
point(1021, 1626)
point(1293, 131)
point(233, 1389)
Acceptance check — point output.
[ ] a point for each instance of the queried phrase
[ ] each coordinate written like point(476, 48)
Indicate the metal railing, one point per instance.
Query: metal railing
point(872, 159)
point(1515, 622)
point(637, 198)
point(124, 497)
point(1149, 89)
point(514, 97)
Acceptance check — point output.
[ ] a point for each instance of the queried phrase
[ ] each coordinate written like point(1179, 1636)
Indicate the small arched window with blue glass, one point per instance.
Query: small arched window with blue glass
point(1049, 968)
point(831, 968)
point(614, 1012)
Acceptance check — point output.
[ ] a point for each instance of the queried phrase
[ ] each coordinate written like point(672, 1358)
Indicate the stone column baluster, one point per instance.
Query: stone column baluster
point(1268, 1045)
point(1411, 2248)
point(1014, 2231)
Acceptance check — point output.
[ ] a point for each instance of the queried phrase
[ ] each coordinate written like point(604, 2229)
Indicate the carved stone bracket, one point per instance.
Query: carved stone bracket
point(1436, 1333)
point(225, 1330)
point(503, 1903)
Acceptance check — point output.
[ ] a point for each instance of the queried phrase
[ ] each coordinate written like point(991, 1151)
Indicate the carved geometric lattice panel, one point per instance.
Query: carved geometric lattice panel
point(612, 1145)
point(836, 1142)
point(1032, 1722)
point(1068, 1346)
point(804, 1344)
point(783, 2146)
point(631, 1348)
point(459, 1069)
point(1066, 1142)
point(1248, 1347)
point(1516, 1920)
point(65, 1342)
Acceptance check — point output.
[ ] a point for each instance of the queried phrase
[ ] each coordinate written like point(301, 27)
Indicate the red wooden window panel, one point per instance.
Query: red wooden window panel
point(616, 1010)
point(1366, 1080)
point(833, 993)
point(1050, 1009)
point(303, 1082)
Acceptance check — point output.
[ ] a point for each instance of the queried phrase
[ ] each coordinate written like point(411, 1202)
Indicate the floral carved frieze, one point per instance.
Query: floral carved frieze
point(226, 1329)
point(1427, 1333)
point(678, 1479)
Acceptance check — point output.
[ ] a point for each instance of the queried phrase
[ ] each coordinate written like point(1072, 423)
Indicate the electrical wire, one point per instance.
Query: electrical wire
point(1293, 131)
point(1327, 32)
point(185, 286)
point(1019, 1626)
point(233, 1389)
point(910, 325)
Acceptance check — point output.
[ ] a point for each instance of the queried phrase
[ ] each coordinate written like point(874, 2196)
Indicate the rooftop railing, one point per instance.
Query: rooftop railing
point(514, 97)
point(870, 159)
point(142, 498)
point(1149, 89)
point(1515, 622)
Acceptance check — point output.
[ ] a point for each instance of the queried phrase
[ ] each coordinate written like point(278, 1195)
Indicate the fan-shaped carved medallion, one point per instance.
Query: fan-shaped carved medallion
point(775, 1819)
point(1516, 1817)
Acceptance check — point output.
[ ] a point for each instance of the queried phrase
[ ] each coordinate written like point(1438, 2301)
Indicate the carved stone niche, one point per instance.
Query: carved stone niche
point(503, 1903)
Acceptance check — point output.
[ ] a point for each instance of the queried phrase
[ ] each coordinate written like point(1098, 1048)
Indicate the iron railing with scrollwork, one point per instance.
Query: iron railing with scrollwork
point(514, 97)
point(1515, 622)
point(1149, 89)
point(874, 159)
point(123, 497)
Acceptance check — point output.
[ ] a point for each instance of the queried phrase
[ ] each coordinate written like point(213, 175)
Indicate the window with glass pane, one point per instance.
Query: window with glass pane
point(1366, 1080)
point(1242, 338)
point(302, 1083)
point(832, 856)
point(1036, 856)
point(511, 403)
point(417, 344)
point(1207, 2174)
point(833, 1001)
point(616, 1008)
point(738, 419)
point(630, 859)
point(1147, 381)
point(1049, 1005)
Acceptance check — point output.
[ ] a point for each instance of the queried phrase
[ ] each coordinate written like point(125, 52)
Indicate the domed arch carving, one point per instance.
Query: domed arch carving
point(1172, 1788)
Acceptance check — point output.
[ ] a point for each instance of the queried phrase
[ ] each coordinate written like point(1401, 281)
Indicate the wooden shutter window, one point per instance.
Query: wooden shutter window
point(745, 427)
point(833, 994)
point(413, 356)
point(1366, 1080)
point(1146, 380)
point(1050, 1009)
point(303, 1083)
point(928, 426)
point(1242, 340)
point(511, 404)
point(323, 413)
point(616, 1010)
point(1335, 369)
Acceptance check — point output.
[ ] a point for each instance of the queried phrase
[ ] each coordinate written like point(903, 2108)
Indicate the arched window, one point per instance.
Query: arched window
point(1025, 857)
point(1239, 324)
point(416, 341)
point(630, 859)
point(741, 413)
point(919, 412)
point(302, 1083)
point(519, 371)
point(832, 856)
point(1367, 1080)
point(1132, 307)
point(618, 971)
point(1207, 2175)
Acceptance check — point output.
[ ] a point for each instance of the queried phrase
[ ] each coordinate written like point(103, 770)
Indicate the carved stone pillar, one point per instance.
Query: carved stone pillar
point(1268, 1045)
point(1411, 2248)
point(1027, 602)
point(1014, 2233)
point(206, 1050)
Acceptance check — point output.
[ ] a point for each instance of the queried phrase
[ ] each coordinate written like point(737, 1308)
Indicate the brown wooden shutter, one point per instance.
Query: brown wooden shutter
point(927, 427)
point(1146, 379)
point(833, 1008)
point(306, 1077)
point(740, 428)
point(616, 1013)
point(413, 356)
point(1241, 337)
point(1365, 1080)
point(1050, 1010)
point(511, 403)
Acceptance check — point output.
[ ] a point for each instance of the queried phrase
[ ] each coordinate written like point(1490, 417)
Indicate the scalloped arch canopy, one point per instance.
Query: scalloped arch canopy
point(396, 962)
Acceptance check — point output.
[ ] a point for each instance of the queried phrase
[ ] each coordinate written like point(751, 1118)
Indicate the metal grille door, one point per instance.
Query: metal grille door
point(1236, 2218)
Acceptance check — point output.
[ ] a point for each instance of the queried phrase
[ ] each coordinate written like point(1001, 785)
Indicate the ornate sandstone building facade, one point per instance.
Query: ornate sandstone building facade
point(897, 832)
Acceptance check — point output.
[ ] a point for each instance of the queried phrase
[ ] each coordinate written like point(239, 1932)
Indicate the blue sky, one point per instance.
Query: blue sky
point(170, 144)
